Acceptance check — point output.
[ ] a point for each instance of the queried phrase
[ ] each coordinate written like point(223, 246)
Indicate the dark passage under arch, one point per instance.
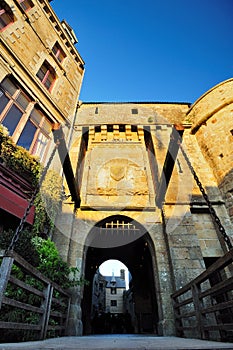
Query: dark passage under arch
point(136, 254)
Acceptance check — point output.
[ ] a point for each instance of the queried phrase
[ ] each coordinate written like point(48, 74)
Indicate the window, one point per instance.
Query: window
point(110, 128)
point(113, 302)
point(134, 111)
point(113, 290)
point(34, 136)
point(27, 125)
point(97, 128)
point(47, 75)
point(26, 4)
point(6, 15)
point(58, 52)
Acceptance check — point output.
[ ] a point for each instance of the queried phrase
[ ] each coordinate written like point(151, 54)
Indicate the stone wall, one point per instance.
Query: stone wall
point(25, 44)
point(185, 235)
point(133, 138)
point(211, 118)
point(131, 113)
point(28, 42)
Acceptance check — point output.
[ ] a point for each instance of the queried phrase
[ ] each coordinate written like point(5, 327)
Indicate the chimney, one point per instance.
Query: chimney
point(122, 272)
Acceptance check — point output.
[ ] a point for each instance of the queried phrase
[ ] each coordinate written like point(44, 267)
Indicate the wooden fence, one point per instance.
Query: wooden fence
point(204, 307)
point(44, 305)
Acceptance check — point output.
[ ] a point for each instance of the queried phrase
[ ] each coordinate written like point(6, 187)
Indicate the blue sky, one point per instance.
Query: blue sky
point(151, 50)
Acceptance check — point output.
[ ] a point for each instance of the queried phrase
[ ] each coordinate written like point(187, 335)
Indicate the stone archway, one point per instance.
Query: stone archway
point(118, 237)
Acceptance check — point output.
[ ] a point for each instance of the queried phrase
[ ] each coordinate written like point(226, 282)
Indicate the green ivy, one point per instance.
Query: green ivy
point(47, 202)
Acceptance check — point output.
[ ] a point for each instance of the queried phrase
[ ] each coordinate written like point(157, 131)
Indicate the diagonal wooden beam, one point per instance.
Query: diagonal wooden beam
point(66, 164)
point(175, 141)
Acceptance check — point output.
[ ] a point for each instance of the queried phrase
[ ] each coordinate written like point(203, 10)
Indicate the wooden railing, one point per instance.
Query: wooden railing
point(45, 304)
point(204, 307)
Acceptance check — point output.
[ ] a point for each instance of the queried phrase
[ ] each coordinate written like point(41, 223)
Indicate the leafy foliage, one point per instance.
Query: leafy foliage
point(47, 202)
point(43, 254)
point(52, 265)
point(18, 158)
point(24, 245)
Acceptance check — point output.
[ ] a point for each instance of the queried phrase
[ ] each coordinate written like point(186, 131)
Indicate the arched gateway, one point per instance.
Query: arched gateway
point(139, 205)
point(121, 238)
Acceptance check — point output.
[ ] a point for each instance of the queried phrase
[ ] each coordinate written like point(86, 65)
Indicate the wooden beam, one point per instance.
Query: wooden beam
point(66, 164)
point(175, 140)
point(5, 272)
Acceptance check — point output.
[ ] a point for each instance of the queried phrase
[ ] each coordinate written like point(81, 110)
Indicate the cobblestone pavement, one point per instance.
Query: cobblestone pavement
point(117, 342)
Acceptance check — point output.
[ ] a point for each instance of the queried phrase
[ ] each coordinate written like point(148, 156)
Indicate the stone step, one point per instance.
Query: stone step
point(118, 342)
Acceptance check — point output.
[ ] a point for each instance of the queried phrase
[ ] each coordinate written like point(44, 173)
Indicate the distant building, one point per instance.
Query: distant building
point(115, 288)
point(107, 303)
point(107, 293)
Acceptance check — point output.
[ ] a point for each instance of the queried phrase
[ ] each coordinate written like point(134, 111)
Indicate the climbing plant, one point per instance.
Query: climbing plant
point(18, 158)
point(48, 202)
point(49, 197)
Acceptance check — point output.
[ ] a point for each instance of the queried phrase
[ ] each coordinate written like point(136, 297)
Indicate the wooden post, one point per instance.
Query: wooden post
point(67, 316)
point(47, 308)
point(5, 271)
point(197, 306)
point(178, 320)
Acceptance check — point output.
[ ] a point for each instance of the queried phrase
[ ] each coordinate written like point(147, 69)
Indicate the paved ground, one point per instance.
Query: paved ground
point(118, 342)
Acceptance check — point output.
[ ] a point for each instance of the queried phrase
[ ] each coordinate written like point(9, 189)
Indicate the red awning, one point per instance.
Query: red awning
point(14, 204)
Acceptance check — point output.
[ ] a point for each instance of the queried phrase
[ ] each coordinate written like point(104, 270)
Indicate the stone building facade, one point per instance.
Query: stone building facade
point(115, 289)
point(108, 307)
point(41, 74)
point(119, 153)
point(107, 294)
